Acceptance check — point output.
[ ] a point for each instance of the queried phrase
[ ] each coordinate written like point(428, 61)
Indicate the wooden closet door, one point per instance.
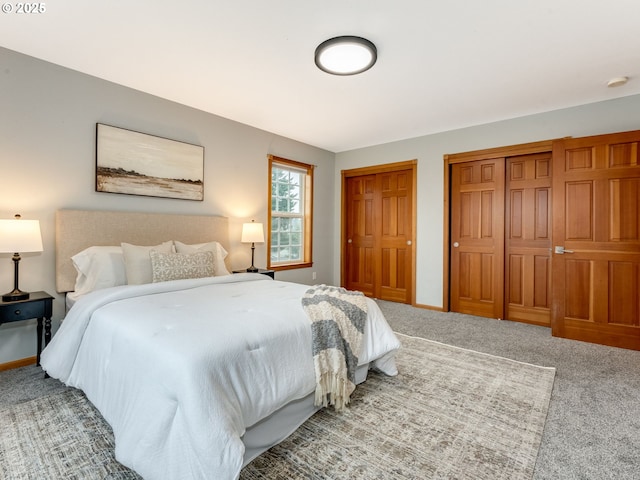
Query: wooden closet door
point(528, 239)
point(596, 282)
point(360, 232)
point(395, 234)
point(477, 238)
point(379, 231)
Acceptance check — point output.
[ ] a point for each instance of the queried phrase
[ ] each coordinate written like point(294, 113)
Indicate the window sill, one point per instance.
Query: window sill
point(290, 266)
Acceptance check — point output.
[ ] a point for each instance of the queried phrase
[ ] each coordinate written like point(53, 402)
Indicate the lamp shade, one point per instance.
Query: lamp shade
point(252, 233)
point(19, 236)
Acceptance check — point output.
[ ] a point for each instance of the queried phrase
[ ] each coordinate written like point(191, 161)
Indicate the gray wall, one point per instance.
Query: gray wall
point(47, 142)
point(47, 155)
point(605, 117)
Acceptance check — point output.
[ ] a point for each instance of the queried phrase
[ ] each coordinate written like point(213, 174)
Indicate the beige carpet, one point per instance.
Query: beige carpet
point(451, 413)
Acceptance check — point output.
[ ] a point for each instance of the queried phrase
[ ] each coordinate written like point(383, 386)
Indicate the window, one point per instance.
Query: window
point(290, 213)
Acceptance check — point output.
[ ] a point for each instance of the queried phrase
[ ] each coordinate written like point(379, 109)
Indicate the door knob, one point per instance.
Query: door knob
point(408, 242)
point(456, 244)
point(349, 241)
point(560, 250)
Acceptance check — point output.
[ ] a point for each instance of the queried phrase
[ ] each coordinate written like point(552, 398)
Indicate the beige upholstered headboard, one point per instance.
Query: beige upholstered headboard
point(79, 229)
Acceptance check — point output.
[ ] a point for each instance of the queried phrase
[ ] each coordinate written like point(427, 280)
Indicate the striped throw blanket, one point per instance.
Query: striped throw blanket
point(337, 318)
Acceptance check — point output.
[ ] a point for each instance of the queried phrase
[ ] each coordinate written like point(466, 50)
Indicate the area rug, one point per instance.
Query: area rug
point(450, 413)
point(57, 436)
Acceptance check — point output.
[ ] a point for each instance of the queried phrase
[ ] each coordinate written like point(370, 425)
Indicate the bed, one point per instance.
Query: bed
point(196, 376)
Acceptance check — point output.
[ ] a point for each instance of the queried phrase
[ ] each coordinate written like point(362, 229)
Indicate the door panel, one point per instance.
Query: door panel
point(596, 193)
point(477, 237)
point(528, 239)
point(624, 284)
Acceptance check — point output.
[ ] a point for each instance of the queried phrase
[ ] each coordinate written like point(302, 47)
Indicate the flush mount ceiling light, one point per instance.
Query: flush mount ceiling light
point(346, 55)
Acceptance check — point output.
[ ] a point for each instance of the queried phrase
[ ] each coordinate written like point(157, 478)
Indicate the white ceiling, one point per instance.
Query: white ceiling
point(441, 64)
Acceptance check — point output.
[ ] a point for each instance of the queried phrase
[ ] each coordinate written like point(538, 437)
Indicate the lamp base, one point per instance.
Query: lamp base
point(15, 295)
point(252, 269)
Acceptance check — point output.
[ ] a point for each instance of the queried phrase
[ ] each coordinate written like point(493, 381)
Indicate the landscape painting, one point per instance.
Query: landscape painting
point(135, 163)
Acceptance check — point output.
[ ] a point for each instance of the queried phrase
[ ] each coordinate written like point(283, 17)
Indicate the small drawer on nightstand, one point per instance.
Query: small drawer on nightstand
point(24, 311)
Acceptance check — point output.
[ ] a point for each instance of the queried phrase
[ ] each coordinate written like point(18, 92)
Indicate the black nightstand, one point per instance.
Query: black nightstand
point(39, 305)
point(268, 273)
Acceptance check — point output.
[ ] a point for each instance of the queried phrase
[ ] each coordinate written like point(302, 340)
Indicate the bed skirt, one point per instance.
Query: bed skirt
point(280, 424)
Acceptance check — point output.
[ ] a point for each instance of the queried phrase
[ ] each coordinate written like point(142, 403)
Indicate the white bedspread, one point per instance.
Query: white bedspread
point(180, 369)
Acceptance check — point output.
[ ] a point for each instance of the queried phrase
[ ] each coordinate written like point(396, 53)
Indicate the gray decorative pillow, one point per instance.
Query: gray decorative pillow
point(178, 266)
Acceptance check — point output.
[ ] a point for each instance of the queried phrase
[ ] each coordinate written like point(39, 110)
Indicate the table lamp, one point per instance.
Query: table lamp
point(19, 235)
point(252, 233)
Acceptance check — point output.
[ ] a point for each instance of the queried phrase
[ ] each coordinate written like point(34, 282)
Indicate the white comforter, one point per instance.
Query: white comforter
point(180, 369)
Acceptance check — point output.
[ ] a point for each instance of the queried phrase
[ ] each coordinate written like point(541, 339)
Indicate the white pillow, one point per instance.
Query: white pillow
point(99, 267)
point(218, 250)
point(137, 262)
point(178, 266)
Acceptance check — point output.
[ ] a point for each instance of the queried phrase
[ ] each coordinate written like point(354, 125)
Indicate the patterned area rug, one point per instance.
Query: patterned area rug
point(57, 436)
point(451, 413)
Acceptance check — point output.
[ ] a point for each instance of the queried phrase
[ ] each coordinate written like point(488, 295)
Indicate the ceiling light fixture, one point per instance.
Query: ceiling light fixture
point(617, 81)
point(346, 55)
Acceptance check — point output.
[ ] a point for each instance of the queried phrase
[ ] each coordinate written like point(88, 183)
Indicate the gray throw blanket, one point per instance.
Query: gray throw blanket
point(338, 318)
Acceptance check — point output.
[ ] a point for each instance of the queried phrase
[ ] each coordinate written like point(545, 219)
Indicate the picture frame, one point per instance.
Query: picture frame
point(135, 163)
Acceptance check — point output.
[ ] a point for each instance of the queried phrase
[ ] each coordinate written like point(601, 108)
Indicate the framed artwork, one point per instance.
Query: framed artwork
point(135, 163)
